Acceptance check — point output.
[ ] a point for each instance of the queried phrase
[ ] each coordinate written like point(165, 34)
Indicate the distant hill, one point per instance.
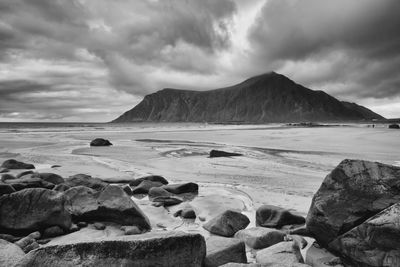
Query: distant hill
point(270, 97)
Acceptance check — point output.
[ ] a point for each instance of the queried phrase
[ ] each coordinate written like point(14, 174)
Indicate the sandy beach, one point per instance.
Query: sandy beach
point(281, 165)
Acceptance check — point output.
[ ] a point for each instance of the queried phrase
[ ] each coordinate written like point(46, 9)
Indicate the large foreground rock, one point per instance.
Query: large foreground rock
point(13, 164)
point(260, 237)
point(375, 242)
point(161, 249)
point(33, 209)
point(10, 254)
point(221, 250)
point(281, 254)
point(112, 204)
point(276, 217)
point(353, 192)
point(227, 223)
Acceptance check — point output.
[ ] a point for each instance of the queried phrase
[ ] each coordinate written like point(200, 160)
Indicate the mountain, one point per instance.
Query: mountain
point(270, 97)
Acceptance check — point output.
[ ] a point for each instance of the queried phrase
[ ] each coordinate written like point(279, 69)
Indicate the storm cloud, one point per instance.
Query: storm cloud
point(90, 60)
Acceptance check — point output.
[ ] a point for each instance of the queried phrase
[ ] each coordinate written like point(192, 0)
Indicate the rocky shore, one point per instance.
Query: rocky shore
point(49, 220)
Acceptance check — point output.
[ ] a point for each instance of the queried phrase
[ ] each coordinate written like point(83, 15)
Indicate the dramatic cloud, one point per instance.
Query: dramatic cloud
point(93, 59)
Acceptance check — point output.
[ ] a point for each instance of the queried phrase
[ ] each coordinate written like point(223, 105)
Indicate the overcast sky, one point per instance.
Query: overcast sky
point(91, 60)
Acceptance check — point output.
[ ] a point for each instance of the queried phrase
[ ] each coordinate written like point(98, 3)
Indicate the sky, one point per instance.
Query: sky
point(92, 60)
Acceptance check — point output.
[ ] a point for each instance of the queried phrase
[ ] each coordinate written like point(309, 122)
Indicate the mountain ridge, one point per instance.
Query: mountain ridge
point(269, 97)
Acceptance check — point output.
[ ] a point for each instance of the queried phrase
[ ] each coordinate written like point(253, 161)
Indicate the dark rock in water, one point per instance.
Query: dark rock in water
point(276, 217)
point(152, 178)
point(167, 201)
point(131, 230)
point(353, 192)
point(100, 142)
point(188, 213)
point(227, 223)
point(4, 170)
point(152, 249)
point(19, 175)
point(375, 242)
point(158, 192)
point(61, 187)
point(394, 126)
point(13, 164)
point(24, 183)
point(112, 205)
point(260, 237)
point(127, 189)
point(221, 250)
point(7, 176)
point(50, 177)
point(86, 180)
point(283, 253)
point(219, 153)
point(6, 189)
point(270, 97)
point(182, 188)
point(145, 186)
point(53, 231)
point(33, 209)
point(10, 254)
point(99, 226)
point(55, 166)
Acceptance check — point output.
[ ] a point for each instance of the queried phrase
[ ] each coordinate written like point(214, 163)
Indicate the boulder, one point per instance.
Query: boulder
point(10, 254)
point(145, 186)
point(227, 223)
point(61, 187)
point(167, 201)
point(7, 176)
point(24, 183)
point(112, 205)
point(6, 189)
point(353, 192)
point(182, 188)
point(281, 254)
point(19, 175)
point(53, 231)
point(188, 213)
point(86, 180)
point(276, 217)
point(220, 153)
point(100, 142)
point(375, 242)
point(151, 249)
point(394, 126)
point(151, 178)
point(131, 230)
point(33, 209)
point(99, 226)
point(13, 164)
point(317, 256)
point(158, 192)
point(29, 242)
point(221, 250)
point(50, 177)
point(260, 237)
